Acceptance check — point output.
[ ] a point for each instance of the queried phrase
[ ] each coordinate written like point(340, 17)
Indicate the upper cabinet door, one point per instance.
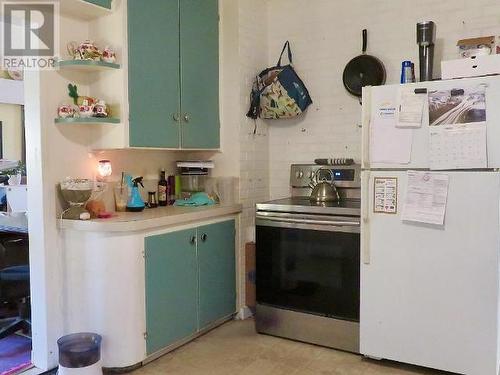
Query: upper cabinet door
point(153, 84)
point(217, 277)
point(199, 36)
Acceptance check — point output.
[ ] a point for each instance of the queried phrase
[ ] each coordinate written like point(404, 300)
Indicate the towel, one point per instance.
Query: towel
point(197, 199)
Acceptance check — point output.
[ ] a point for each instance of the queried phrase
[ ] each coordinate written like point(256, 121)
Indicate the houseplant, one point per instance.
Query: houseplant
point(15, 174)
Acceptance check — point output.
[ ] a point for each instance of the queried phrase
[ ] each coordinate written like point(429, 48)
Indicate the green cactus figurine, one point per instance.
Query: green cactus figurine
point(73, 93)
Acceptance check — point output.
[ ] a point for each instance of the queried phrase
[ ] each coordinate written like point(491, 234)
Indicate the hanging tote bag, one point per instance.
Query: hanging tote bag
point(278, 92)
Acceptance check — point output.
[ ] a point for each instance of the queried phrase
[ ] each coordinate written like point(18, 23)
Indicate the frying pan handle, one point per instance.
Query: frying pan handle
point(287, 45)
point(365, 40)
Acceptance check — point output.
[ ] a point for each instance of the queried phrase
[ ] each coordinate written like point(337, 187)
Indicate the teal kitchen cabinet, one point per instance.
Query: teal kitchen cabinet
point(199, 40)
point(217, 274)
point(154, 81)
point(174, 74)
point(190, 282)
point(102, 3)
point(171, 288)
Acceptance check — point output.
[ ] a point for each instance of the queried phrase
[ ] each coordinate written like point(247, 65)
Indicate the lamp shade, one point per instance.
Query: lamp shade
point(104, 168)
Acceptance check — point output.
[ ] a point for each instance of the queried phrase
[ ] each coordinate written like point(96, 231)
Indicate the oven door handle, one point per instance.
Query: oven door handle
point(335, 223)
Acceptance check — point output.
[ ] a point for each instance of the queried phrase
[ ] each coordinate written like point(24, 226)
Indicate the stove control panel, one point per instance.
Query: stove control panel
point(344, 176)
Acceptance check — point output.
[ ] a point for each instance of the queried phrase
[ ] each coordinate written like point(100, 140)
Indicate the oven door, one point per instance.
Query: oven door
point(308, 263)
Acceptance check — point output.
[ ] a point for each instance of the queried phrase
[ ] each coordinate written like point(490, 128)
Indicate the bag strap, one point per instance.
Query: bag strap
point(254, 110)
point(287, 44)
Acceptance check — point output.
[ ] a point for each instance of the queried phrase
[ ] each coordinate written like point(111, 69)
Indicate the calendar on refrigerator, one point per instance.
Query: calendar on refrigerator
point(458, 147)
point(457, 128)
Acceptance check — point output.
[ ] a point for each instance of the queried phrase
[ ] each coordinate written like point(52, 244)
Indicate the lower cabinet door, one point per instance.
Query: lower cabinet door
point(171, 288)
point(217, 278)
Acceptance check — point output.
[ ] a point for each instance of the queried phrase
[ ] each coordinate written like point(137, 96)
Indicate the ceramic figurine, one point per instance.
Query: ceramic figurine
point(87, 107)
point(108, 55)
point(90, 100)
point(65, 111)
point(86, 50)
point(71, 47)
point(100, 109)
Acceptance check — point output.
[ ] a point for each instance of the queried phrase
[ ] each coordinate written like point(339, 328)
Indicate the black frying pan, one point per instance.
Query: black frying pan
point(363, 70)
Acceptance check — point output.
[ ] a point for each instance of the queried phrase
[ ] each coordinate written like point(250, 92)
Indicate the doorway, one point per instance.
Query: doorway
point(15, 308)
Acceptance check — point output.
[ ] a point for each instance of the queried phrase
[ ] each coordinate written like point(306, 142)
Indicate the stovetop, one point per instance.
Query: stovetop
point(350, 207)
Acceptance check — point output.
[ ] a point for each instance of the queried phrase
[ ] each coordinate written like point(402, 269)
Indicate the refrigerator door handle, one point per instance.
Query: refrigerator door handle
point(365, 128)
point(365, 225)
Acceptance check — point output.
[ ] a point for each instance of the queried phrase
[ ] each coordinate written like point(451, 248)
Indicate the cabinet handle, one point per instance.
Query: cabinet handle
point(204, 237)
point(186, 117)
point(176, 117)
point(192, 240)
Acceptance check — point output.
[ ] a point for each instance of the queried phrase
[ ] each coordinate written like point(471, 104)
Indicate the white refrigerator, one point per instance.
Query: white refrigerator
point(430, 293)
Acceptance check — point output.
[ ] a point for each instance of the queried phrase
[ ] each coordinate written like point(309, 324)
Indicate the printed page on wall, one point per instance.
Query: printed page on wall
point(457, 126)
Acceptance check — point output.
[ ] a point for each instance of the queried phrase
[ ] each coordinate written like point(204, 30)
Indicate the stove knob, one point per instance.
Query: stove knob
point(298, 174)
point(301, 174)
point(311, 174)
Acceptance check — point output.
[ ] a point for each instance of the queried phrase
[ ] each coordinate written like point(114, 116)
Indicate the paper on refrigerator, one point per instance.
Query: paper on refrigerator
point(410, 110)
point(385, 195)
point(388, 144)
point(426, 196)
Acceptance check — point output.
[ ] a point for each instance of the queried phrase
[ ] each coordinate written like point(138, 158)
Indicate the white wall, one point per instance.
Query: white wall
point(11, 91)
point(254, 148)
point(325, 35)
point(12, 131)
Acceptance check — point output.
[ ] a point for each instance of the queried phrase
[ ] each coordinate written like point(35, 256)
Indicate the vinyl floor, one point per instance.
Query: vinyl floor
point(235, 348)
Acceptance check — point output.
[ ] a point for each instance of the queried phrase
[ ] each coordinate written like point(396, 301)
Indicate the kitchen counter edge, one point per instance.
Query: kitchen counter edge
point(151, 218)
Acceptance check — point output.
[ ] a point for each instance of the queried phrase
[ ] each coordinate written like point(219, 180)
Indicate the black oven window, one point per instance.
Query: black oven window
point(309, 271)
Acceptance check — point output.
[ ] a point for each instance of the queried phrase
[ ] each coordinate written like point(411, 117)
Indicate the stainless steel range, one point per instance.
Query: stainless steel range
point(308, 261)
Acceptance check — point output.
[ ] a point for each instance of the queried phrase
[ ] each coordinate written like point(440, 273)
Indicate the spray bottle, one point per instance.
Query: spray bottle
point(135, 202)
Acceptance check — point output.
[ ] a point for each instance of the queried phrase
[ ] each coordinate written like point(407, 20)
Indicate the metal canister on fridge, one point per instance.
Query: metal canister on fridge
point(406, 72)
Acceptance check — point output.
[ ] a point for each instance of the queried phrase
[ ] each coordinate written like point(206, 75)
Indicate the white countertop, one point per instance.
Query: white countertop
point(151, 218)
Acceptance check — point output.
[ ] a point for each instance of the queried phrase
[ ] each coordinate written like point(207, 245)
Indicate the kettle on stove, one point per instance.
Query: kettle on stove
point(322, 189)
point(135, 202)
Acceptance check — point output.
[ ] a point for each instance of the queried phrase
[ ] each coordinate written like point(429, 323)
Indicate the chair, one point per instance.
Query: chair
point(14, 288)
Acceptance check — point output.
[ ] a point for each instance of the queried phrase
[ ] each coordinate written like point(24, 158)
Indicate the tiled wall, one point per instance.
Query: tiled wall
point(325, 35)
point(254, 148)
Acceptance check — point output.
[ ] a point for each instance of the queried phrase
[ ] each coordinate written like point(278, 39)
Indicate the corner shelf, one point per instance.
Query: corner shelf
point(87, 120)
point(86, 65)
